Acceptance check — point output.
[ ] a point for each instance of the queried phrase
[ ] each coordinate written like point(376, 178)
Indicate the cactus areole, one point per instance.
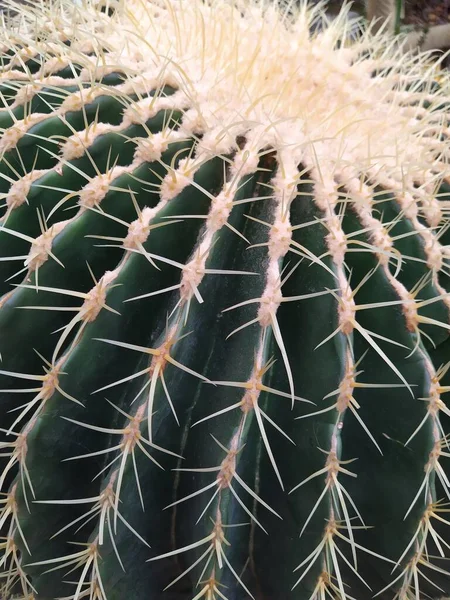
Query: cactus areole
point(225, 306)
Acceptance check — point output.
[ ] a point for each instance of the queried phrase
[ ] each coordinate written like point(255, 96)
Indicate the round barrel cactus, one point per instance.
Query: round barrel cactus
point(225, 306)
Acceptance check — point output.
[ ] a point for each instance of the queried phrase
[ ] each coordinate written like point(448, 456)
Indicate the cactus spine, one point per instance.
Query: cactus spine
point(224, 321)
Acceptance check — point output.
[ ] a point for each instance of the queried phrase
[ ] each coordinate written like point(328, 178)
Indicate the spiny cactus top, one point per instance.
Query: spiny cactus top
point(224, 321)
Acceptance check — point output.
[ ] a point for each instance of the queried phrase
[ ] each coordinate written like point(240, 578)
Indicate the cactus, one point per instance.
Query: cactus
point(224, 317)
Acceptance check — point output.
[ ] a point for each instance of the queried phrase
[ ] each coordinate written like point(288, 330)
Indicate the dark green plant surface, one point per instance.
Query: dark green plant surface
point(224, 335)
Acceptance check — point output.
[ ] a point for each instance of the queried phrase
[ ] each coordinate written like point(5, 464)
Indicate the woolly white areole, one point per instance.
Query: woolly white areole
point(247, 68)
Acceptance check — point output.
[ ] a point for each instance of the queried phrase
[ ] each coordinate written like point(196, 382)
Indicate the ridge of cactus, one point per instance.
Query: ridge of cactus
point(224, 305)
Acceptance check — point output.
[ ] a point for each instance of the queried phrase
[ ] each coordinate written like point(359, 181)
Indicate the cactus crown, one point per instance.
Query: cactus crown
point(223, 267)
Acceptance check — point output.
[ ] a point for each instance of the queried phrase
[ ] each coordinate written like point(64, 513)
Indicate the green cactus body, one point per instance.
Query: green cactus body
point(224, 314)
